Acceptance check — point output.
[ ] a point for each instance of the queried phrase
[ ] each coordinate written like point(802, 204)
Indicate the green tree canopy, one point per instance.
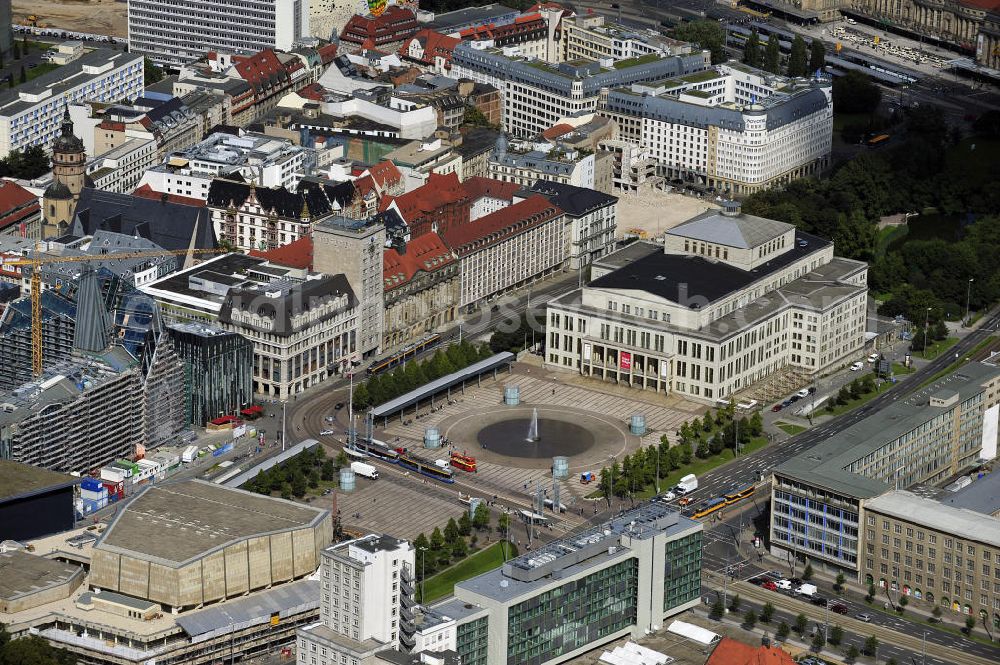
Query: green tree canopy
point(772, 55)
point(751, 50)
point(708, 35)
point(817, 56)
point(797, 58)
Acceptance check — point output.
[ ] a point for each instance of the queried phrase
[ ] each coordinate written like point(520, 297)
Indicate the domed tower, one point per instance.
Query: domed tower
point(69, 166)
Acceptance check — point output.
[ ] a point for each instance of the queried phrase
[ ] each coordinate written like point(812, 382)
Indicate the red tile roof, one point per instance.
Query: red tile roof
point(434, 44)
point(478, 187)
point(261, 69)
point(426, 252)
point(16, 204)
point(981, 4)
point(733, 652)
point(313, 91)
point(147, 192)
point(555, 131)
point(386, 174)
point(497, 226)
point(395, 24)
point(438, 191)
point(328, 53)
point(296, 254)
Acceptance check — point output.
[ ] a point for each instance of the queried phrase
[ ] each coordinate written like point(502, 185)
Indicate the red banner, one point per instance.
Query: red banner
point(625, 361)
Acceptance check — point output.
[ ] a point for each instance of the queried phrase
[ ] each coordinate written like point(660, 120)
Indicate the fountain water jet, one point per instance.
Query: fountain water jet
point(533, 426)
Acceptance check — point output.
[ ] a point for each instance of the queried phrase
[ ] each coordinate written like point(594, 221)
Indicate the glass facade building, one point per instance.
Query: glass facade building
point(472, 640)
point(219, 370)
point(682, 571)
point(573, 615)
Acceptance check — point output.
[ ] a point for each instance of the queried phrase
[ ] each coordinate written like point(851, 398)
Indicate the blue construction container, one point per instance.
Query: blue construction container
point(91, 484)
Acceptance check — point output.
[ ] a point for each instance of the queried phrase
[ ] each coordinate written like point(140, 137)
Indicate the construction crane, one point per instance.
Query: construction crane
point(36, 284)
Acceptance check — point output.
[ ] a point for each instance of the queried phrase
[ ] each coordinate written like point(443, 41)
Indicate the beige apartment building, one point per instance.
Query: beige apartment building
point(924, 549)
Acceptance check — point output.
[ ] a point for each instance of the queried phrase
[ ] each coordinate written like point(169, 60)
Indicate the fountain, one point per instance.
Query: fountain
point(533, 427)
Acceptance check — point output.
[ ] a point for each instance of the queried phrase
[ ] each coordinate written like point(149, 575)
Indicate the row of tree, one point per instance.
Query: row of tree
point(32, 162)
point(384, 387)
point(454, 542)
point(701, 438)
point(508, 337)
point(297, 475)
point(802, 60)
point(32, 650)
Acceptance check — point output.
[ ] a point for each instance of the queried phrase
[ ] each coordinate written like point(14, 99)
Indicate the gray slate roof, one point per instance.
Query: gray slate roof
point(741, 231)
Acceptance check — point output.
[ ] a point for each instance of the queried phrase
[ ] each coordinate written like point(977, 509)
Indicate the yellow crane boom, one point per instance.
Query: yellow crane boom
point(36, 284)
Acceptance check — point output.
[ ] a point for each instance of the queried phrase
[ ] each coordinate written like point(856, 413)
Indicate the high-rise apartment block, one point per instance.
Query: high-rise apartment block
point(366, 603)
point(354, 247)
point(176, 32)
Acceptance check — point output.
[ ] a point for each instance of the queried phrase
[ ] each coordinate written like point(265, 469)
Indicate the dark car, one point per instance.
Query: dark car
point(338, 406)
point(793, 399)
point(839, 608)
point(819, 600)
point(796, 582)
point(787, 402)
point(776, 408)
point(812, 389)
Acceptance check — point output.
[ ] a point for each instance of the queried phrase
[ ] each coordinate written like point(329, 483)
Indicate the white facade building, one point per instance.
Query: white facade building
point(265, 160)
point(729, 300)
point(31, 113)
point(592, 37)
point(366, 602)
point(121, 169)
point(525, 163)
point(173, 33)
point(733, 128)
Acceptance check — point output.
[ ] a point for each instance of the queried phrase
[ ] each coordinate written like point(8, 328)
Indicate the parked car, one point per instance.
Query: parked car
point(776, 408)
point(769, 585)
point(802, 393)
point(668, 496)
point(787, 402)
point(857, 367)
point(327, 432)
point(794, 398)
point(873, 357)
point(784, 585)
point(863, 616)
point(839, 608)
point(338, 406)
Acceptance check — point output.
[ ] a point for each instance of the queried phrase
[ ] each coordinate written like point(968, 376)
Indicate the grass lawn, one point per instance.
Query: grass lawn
point(442, 584)
point(900, 368)
point(937, 348)
point(697, 467)
point(791, 429)
point(852, 404)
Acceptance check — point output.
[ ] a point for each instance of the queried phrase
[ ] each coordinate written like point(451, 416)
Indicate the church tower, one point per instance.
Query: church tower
point(69, 165)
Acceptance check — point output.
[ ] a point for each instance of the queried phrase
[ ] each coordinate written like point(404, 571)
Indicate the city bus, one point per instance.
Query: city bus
point(737, 494)
point(403, 355)
point(709, 507)
point(429, 470)
point(463, 462)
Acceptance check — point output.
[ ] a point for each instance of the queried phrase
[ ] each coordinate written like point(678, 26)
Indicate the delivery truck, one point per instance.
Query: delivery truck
point(190, 454)
point(366, 470)
point(687, 484)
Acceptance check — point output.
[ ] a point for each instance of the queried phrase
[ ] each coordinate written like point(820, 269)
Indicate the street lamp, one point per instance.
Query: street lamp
point(968, 297)
point(927, 318)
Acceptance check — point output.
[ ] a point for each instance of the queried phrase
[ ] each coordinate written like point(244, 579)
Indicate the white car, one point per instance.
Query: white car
point(873, 357)
point(785, 585)
point(857, 367)
point(802, 393)
point(668, 496)
point(327, 432)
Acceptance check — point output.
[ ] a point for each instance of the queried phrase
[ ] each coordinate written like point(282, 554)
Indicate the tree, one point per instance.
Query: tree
point(836, 635)
point(939, 331)
point(685, 454)
point(750, 619)
point(702, 452)
point(313, 478)
point(33, 650)
point(871, 593)
point(801, 623)
point(708, 35)
point(437, 540)
point(840, 581)
point(817, 56)
point(797, 65)
point(481, 516)
point(421, 542)
point(341, 460)
point(818, 641)
point(970, 623)
point(903, 602)
point(734, 604)
point(451, 530)
point(936, 612)
point(871, 645)
point(299, 485)
point(782, 631)
point(855, 92)
point(772, 55)
point(808, 572)
point(361, 399)
point(459, 549)
point(286, 491)
point(465, 524)
point(751, 50)
point(766, 613)
point(856, 389)
point(852, 653)
point(718, 609)
point(150, 72)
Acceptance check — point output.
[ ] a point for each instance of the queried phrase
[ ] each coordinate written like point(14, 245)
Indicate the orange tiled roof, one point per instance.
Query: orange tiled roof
point(733, 652)
point(147, 192)
point(492, 228)
point(296, 254)
point(426, 252)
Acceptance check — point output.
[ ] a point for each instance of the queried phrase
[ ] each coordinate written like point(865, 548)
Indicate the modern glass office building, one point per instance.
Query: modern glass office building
point(219, 367)
point(550, 605)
